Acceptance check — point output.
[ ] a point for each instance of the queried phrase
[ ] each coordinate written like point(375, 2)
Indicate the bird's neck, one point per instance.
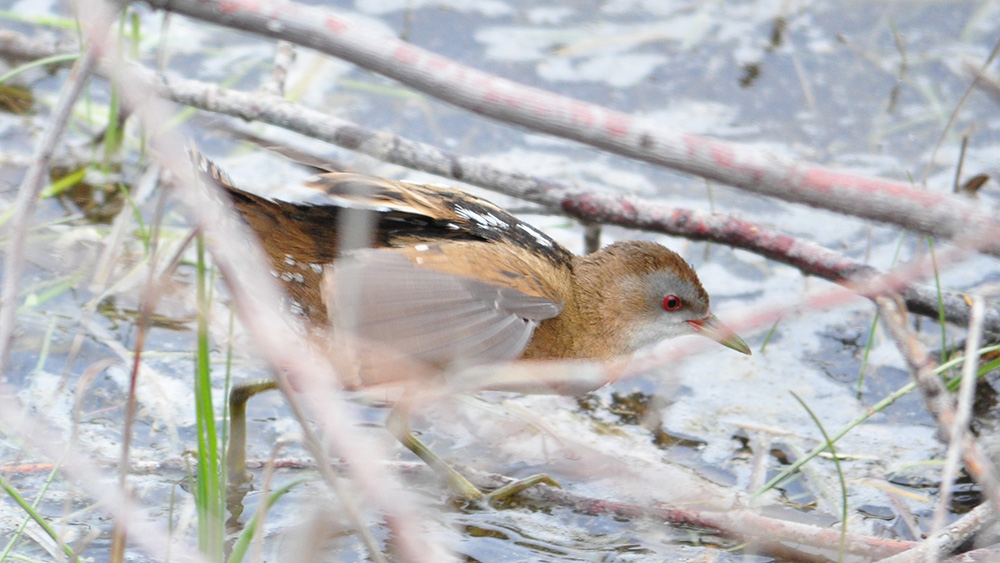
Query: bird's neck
point(590, 325)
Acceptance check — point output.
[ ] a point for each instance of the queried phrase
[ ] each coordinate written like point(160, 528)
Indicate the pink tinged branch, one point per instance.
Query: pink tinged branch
point(754, 170)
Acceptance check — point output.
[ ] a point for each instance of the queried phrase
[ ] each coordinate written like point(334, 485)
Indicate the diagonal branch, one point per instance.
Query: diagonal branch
point(938, 401)
point(745, 167)
point(626, 211)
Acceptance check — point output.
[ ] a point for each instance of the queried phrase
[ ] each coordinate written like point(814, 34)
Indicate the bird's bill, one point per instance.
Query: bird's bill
point(711, 327)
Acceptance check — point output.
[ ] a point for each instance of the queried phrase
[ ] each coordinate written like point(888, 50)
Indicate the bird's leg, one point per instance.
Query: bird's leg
point(398, 423)
point(236, 455)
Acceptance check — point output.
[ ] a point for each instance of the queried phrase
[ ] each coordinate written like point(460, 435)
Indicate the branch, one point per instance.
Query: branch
point(948, 539)
point(751, 169)
point(589, 207)
point(765, 533)
point(256, 297)
point(768, 534)
point(938, 401)
point(987, 82)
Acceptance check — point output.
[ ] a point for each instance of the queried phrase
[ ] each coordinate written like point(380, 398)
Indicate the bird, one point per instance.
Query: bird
point(450, 279)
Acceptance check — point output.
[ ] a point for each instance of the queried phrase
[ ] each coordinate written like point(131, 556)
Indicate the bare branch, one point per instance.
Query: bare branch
point(959, 430)
point(256, 298)
point(752, 169)
point(284, 56)
point(948, 539)
point(765, 533)
point(937, 399)
point(987, 82)
point(626, 211)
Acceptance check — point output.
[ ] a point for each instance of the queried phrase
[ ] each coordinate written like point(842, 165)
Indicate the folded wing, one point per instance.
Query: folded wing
point(438, 303)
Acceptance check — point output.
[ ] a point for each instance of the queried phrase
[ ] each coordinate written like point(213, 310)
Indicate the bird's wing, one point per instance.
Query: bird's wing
point(411, 212)
point(444, 304)
point(358, 191)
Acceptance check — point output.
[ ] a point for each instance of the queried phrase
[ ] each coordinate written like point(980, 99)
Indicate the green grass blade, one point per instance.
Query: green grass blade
point(871, 332)
point(208, 496)
point(64, 183)
point(770, 334)
point(38, 518)
point(869, 412)
point(38, 19)
point(243, 543)
point(54, 59)
point(33, 300)
point(840, 475)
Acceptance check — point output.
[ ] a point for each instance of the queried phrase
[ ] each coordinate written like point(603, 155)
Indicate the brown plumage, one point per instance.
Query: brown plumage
point(454, 278)
point(451, 279)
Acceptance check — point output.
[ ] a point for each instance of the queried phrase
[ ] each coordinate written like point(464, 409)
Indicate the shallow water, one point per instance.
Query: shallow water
point(863, 86)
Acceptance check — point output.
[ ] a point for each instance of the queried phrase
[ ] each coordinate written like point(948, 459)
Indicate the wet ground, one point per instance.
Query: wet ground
point(863, 86)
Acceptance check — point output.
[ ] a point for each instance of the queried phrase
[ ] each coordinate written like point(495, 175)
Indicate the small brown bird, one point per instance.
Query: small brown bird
point(450, 279)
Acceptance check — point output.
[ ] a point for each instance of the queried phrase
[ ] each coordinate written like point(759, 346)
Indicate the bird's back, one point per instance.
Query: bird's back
point(442, 229)
point(453, 279)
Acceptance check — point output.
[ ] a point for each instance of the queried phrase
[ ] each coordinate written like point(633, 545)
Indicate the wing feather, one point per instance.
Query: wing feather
point(435, 316)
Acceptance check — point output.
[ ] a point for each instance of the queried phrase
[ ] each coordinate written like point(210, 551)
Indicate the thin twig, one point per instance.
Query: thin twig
point(79, 468)
point(958, 106)
point(959, 431)
point(31, 186)
point(948, 539)
point(256, 298)
point(987, 82)
point(767, 534)
point(937, 399)
point(739, 523)
point(284, 56)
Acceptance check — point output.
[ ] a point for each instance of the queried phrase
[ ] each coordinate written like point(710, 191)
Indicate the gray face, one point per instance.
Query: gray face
point(671, 302)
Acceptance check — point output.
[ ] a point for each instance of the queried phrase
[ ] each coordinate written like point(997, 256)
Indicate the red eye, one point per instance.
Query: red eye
point(672, 303)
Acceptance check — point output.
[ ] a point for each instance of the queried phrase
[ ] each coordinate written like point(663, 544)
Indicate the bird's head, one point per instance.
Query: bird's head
point(657, 295)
